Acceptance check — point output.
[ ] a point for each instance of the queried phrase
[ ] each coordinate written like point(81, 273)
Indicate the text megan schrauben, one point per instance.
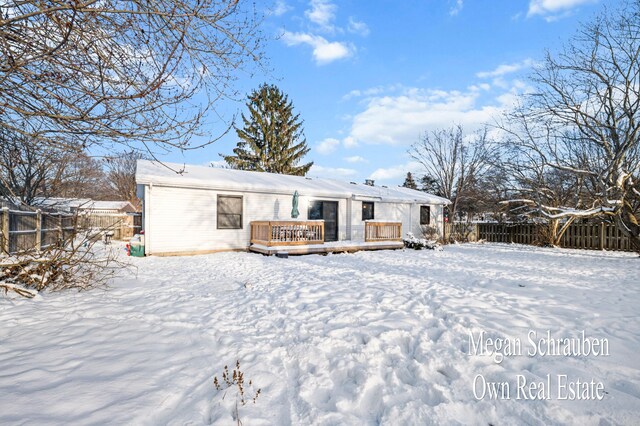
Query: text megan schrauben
point(558, 386)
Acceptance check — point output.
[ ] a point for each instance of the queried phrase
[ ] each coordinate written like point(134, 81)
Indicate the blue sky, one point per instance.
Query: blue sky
point(368, 77)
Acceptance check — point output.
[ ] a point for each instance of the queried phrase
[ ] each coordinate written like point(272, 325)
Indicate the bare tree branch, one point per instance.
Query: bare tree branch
point(455, 162)
point(110, 72)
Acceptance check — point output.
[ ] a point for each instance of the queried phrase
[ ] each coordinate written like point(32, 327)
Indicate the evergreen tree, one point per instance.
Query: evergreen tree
point(409, 182)
point(272, 139)
point(430, 185)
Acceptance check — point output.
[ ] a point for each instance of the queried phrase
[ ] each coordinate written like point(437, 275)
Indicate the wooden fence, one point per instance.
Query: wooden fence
point(597, 236)
point(22, 230)
point(382, 231)
point(123, 226)
point(27, 230)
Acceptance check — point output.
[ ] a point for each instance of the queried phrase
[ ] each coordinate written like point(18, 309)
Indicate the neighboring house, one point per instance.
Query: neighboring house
point(86, 205)
point(205, 209)
point(109, 207)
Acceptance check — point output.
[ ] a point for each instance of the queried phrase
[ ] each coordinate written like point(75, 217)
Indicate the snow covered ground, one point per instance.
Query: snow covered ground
point(365, 338)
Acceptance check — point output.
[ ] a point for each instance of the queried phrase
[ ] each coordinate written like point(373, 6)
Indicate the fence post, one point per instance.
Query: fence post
point(5, 230)
point(60, 233)
point(38, 229)
point(601, 239)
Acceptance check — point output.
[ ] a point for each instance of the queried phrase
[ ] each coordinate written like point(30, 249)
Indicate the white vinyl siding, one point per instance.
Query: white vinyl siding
point(185, 219)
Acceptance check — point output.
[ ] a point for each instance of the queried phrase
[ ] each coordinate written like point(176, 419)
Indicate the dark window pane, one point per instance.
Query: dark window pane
point(425, 215)
point(315, 210)
point(229, 205)
point(367, 211)
point(229, 212)
point(230, 221)
point(330, 216)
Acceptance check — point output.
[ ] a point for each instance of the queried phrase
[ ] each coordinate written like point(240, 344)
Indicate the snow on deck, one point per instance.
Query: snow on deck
point(364, 338)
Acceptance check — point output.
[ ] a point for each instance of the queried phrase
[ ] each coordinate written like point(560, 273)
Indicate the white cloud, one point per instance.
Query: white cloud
point(327, 146)
point(322, 13)
point(456, 8)
point(481, 86)
point(330, 172)
point(504, 69)
point(324, 51)
point(321, 16)
point(350, 142)
point(395, 172)
point(356, 159)
point(358, 27)
point(554, 9)
point(369, 92)
point(401, 119)
point(280, 8)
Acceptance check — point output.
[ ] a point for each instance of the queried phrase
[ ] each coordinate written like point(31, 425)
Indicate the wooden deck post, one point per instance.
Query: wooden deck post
point(5, 230)
point(38, 244)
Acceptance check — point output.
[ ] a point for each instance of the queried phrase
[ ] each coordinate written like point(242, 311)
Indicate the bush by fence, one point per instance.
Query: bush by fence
point(598, 236)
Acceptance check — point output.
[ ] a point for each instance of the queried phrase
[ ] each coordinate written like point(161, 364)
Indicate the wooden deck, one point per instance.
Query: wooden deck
point(287, 233)
point(333, 247)
point(307, 237)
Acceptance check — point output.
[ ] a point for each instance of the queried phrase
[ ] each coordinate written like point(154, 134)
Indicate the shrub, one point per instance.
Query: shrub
point(412, 242)
point(76, 263)
point(235, 379)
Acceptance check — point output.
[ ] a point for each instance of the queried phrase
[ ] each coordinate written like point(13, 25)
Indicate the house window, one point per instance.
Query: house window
point(425, 215)
point(367, 210)
point(229, 212)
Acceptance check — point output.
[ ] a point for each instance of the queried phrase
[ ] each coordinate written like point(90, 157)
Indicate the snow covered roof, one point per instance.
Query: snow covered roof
point(111, 205)
point(84, 204)
point(150, 172)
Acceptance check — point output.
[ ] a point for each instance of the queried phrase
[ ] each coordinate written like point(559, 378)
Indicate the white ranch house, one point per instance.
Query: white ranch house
point(207, 209)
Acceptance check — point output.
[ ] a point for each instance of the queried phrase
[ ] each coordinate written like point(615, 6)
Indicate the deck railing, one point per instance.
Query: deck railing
point(287, 233)
point(382, 231)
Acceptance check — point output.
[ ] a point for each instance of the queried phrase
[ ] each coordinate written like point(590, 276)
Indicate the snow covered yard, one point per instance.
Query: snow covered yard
point(365, 338)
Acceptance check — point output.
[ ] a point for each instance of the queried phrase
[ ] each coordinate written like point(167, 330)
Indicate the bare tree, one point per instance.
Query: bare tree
point(92, 72)
point(25, 168)
point(453, 161)
point(31, 172)
point(583, 121)
point(79, 176)
point(537, 190)
point(121, 174)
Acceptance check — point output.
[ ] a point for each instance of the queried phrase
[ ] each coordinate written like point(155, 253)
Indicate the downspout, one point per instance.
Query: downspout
point(147, 231)
point(411, 217)
point(349, 224)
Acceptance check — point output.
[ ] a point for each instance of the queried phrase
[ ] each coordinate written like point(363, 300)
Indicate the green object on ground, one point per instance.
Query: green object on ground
point(136, 246)
point(137, 250)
